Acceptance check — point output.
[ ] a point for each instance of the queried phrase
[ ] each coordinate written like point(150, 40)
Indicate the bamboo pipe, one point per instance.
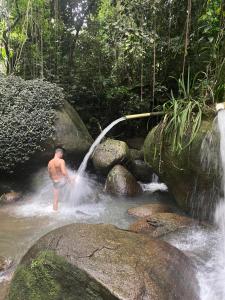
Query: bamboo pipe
point(144, 115)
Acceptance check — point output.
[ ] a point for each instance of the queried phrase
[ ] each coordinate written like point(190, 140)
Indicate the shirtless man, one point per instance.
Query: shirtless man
point(58, 174)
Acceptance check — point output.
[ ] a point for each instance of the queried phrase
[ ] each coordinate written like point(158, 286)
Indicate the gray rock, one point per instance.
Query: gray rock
point(108, 154)
point(70, 134)
point(102, 262)
point(141, 170)
point(121, 182)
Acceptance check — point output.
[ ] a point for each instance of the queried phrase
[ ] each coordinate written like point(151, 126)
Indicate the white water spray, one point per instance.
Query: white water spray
point(95, 144)
point(212, 279)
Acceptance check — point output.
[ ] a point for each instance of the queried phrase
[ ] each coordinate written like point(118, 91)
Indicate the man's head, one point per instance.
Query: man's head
point(59, 153)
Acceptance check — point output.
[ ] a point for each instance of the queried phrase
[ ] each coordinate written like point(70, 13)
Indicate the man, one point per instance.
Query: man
point(58, 174)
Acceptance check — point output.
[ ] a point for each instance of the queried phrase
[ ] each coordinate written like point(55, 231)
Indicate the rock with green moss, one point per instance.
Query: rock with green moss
point(34, 117)
point(108, 154)
point(193, 187)
point(98, 261)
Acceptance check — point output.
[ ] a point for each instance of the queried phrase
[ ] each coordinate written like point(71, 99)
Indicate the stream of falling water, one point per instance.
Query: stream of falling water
point(95, 144)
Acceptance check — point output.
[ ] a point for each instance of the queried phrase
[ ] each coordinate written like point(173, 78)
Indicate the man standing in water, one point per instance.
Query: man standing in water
point(58, 174)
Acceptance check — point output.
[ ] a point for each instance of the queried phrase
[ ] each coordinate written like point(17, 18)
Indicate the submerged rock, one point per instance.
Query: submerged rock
point(5, 263)
point(193, 187)
point(87, 261)
point(108, 154)
point(10, 197)
point(121, 182)
point(160, 224)
point(149, 209)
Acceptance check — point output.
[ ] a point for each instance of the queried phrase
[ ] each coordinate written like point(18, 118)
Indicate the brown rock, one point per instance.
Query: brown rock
point(121, 182)
point(10, 197)
point(149, 209)
point(5, 263)
point(160, 224)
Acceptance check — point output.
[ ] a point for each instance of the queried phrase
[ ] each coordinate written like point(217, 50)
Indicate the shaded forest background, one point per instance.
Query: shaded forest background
point(117, 57)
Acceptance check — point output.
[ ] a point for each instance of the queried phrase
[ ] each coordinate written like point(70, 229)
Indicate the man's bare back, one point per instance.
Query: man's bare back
point(58, 174)
point(57, 169)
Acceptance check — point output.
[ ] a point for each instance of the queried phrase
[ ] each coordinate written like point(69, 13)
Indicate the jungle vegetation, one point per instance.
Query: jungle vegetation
point(116, 57)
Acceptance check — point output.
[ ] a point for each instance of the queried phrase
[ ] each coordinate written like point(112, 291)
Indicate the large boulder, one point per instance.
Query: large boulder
point(86, 261)
point(108, 154)
point(121, 182)
point(193, 187)
point(36, 118)
point(70, 133)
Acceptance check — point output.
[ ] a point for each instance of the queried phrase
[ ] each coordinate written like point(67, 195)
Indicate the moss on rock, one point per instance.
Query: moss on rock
point(183, 173)
point(51, 277)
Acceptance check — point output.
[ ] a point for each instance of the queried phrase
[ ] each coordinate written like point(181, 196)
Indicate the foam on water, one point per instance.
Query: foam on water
point(153, 187)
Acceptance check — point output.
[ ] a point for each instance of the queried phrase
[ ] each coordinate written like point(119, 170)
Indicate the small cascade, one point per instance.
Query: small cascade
point(155, 178)
point(95, 144)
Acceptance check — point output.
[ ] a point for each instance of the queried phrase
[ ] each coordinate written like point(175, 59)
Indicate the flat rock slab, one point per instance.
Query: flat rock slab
point(160, 224)
point(103, 262)
point(149, 209)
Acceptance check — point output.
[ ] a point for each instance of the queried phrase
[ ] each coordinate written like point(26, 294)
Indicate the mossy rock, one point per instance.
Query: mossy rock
point(183, 173)
point(102, 262)
point(51, 277)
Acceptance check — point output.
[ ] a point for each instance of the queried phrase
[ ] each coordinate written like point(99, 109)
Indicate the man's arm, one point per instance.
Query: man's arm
point(63, 169)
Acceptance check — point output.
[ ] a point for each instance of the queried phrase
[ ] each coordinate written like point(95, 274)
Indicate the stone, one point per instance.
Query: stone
point(70, 133)
point(108, 154)
point(99, 261)
point(140, 170)
point(121, 182)
point(5, 263)
point(10, 197)
point(193, 188)
point(160, 224)
point(149, 209)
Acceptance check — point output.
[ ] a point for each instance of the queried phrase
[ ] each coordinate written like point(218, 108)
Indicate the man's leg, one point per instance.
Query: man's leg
point(55, 199)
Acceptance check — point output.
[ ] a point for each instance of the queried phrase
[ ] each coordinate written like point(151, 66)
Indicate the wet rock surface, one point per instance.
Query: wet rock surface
point(141, 170)
point(10, 197)
point(86, 261)
point(160, 224)
point(149, 209)
point(108, 154)
point(121, 182)
point(5, 263)
point(193, 187)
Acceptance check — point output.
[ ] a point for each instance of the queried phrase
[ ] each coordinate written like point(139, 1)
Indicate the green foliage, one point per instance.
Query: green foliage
point(116, 57)
point(26, 118)
point(183, 115)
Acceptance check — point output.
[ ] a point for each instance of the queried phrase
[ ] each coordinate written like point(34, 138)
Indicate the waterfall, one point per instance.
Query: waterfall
point(213, 278)
point(95, 144)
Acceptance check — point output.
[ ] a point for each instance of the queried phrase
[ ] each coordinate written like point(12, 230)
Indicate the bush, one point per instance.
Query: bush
point(27, 117)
